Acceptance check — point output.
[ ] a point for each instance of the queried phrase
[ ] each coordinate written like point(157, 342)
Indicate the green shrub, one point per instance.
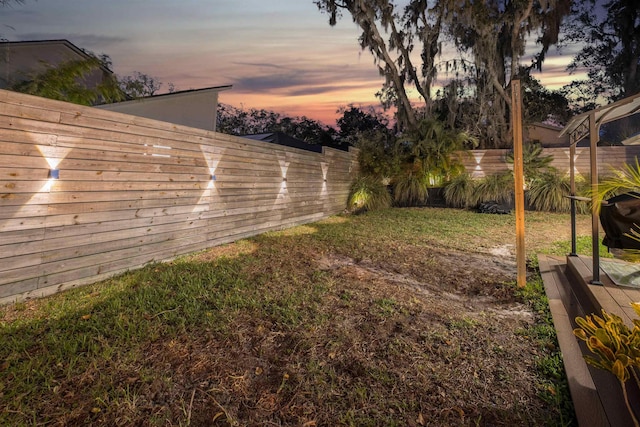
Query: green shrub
point(368, 194)
point(410, 189)
point(436, 149)
point(434, 152)
point(460, 191)
point(377, 156)
point(497, 187)
point(548, 192)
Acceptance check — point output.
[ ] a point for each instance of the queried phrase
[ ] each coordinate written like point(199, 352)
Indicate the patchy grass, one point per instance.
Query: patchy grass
point(399, 317)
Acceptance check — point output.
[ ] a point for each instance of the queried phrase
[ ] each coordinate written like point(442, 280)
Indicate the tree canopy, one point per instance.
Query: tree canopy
point(407, 42)
point(139, 85)
point(610, 52)
point(414, 28)
point(356, 121)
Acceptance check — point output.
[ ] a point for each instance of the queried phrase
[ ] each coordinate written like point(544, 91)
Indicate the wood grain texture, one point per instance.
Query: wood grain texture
point(580, 297)
point(481, 163)
point(564, 307)
point(134, 190)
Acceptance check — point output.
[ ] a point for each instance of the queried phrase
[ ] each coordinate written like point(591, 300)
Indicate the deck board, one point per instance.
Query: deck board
point(586, 400)
point(611, 297)
point(596, 394)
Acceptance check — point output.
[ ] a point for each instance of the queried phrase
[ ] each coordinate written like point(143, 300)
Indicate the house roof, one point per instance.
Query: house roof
point(177, 94)
point(284, 139)
point(6, 46)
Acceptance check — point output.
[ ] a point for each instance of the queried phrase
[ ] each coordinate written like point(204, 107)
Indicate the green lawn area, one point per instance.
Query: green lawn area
point(397, 317)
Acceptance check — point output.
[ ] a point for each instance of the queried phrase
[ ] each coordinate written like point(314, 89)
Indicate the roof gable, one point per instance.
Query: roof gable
point(19, 60)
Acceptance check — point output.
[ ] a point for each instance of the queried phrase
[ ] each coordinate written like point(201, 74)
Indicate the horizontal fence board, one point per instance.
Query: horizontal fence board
point(25, 211)
point(106, 268)
point(481, 163)
point(63, 248)
point(133, 190)
point(35, 113)
point(18, 162)
point(11, 291)
point(19, 236)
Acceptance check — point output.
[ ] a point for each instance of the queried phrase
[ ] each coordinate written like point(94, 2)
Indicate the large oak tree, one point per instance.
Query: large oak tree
point(407, 41)
point(392, 35)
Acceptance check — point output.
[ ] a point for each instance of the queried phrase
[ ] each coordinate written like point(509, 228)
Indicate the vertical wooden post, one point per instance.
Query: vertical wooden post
point(594, 138)
point(572, 177)
point(518, 173)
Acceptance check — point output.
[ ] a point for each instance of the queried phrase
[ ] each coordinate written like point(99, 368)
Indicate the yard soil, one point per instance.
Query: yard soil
point(400, 334)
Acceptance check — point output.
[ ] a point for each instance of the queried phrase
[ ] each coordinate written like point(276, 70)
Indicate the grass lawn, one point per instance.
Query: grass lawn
point(406, 317)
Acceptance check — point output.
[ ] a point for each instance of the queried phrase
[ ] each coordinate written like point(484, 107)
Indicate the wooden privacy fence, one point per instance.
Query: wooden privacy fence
point(481, 163)
point(87, 193)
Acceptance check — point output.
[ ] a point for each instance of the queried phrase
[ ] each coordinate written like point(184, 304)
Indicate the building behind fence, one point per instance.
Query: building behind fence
point(87, 193)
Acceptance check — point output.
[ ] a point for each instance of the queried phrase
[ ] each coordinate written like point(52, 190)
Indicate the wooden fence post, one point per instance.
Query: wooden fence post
point(518, 173)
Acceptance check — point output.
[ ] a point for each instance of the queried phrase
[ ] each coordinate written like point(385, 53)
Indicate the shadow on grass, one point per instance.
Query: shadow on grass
point(255, 332)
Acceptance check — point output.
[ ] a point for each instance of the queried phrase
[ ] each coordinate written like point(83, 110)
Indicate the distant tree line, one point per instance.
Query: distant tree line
point(238, 121)
point(353, 122)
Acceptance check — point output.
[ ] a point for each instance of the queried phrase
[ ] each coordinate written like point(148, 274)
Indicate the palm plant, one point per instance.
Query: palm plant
point(534, 162)
point(620, 181)
point(436, 150)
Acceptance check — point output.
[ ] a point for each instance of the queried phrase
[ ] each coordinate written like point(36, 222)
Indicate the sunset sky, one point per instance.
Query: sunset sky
point(279, 55)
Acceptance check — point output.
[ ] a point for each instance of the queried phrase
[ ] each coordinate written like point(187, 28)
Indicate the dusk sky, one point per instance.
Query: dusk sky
point(279, 55)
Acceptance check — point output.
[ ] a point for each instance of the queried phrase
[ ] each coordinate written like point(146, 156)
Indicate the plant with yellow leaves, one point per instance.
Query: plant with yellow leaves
point(615, 345)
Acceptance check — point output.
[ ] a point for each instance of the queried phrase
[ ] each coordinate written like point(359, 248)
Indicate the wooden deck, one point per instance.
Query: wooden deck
point(596, 394)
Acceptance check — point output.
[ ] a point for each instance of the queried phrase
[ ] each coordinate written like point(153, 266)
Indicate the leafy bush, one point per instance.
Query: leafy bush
point(410, 189)
point(368, 194)
point(497, 187)
point(460, 191)
point(376, 156)
point(548, 192)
